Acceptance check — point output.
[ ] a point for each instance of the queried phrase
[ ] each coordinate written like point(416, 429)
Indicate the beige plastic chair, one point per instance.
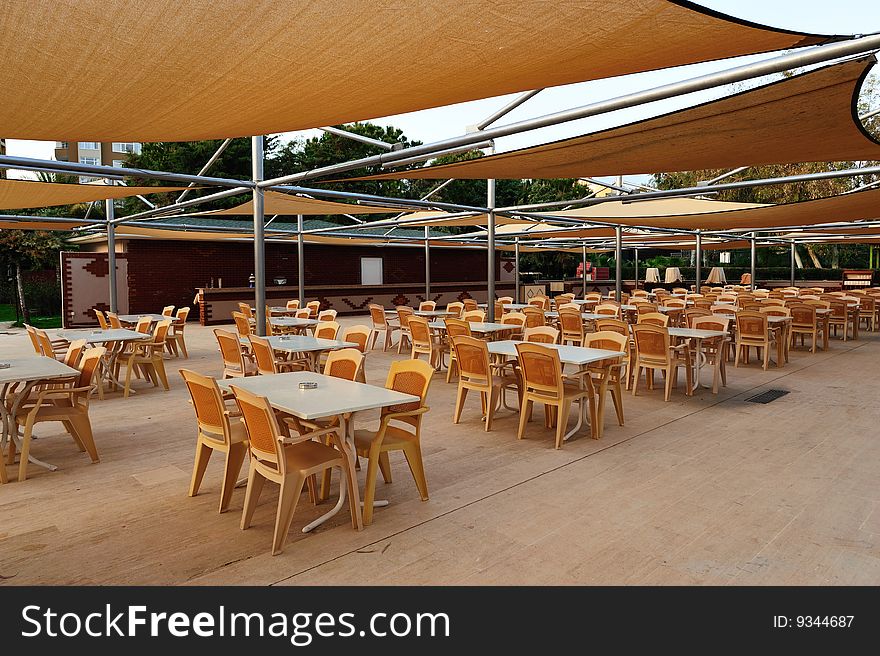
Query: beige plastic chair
point(608, 309)
point(609, 373)
point(219, 429)
point(102, 320)
point(517, 319)
point(804, 322)
point(381, 325)
point(313, 307)
point(327, 315)
point(534, 316)
point(404, 434)
point(360, 335)
point(293, 305)
point(654, 350)
point(347, 363)
point(469, 304)
point(403, 315)
point(67, 402)
point(752, 332)
point(571, 324)
point(427, 306)
point(542, 382)
point(147, 356)
point(235, 363)
point(456, 309)
point(474, 316)
point(423, 341)
point(455, 328)
point(266, 361)
point(113, 318)
point(288, 465)
point(693, 313)
point(477, 373)
point(715, 348)
point(653, 319)
point(168, 311)
point(327, 330)
point(505, 300)
point(175, 339)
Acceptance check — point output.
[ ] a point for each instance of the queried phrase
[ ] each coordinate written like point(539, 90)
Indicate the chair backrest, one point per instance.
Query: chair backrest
point(774, 300)
point(675, 303)
point(803, 315)
point(571, 322)
point(868, 304)
point(113, 318)
point(505, 300)
point(541, 369)
point(303, 313)
point(568, 306)
point(344, 363)
point(647, 308)
point(838, 309)
point(74, 351)
point(514, 318)
point(143, 325)
point(261, 426)
point(540, 301)
point(593, 296)
point(477, 316)
point(102, 320)
point(751, 324)
point(327, 315)
point(608, 309)
point(541, 335)
point(679, 290)
point(455, 308)
point(377, 316)
point(420, 332)
point(168, 311)
point(817, 302)
point(35, 342)
point(45, 343)
point(427, 306)
point(652, 343)
point(610, 341)
point(327, 330)
point(359, 335)
point(230, 348)
point(654, 318)
point(776, 311)
point(264, 354)
point(403, 315)
point(704, 303)
point(160, 333)
point(457, 327)
point(614, 325)
point(242, 325)
point(88, 365)
point(293, 305)
point(639, 293)
point(246, 310)
point(499, 310)
point(693, 313)
point(207, 402)
point(469, 304)
point(472, 355)
point(313, 307)
point(534, 316)
point(711, 322)
point(410, 377)
point(182, 316)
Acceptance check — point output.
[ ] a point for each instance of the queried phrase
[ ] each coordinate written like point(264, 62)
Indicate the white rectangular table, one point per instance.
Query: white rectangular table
point(16, 381)
point(334, 397)
point(292, 322)
point(312, 347)
point(134, 318)
point(508, 306)
point(587, 316)
point(698, 335)
point(115, 340)
point(580, 356)
point(484, 328)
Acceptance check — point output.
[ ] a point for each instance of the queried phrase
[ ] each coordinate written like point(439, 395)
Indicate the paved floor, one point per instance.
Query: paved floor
point(703, 490)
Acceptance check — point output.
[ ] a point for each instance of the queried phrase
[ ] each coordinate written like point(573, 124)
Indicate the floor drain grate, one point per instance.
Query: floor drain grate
point(767, 397)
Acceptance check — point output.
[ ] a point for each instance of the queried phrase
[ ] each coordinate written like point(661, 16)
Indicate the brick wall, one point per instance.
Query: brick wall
point(168, 272)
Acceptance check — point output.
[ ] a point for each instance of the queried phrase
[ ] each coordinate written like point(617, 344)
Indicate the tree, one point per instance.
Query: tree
point(28, 249)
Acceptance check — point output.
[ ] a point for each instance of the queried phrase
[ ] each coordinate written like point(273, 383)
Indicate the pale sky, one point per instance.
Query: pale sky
point(837, 17)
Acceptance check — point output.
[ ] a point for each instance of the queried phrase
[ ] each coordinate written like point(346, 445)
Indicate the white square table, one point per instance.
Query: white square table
point(484, 328)
point(16, 381)
point(115, 340)
point(310, 346)
point(134, 318)
point(334, 397)
point(293, 322)
point(513, 307)
point(698, 335)
point(580, 356)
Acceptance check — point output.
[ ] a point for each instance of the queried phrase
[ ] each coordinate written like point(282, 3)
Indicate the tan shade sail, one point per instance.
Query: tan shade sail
point(285, 204)
point(178, 71)
point(36, 224)
point(21, 194)
point(446, 219)
point(805, 118)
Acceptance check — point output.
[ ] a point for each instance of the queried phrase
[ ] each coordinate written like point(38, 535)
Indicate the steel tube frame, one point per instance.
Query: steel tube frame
point(584, 268)
point(509, 107)
point(698, 260)
point(300, 261)
point(490, 251)
point(109, 211)
point(359, 137)
point(618, 264)
point(753, 251)
point(206, 167)
point(777, 64)
point(792, 262)
point(427, 264)
point(257, 155)
point(516, 269)
point(636, 262)
point(480, 145)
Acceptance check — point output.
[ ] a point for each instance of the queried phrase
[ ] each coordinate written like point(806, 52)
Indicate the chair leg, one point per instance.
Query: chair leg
point(182, 343)
point(617, 397)
point(159, 366)
point(83, 428)
point(385, 466)
point(25, 447)
point(203, 455)
point(231, 470)
point(459, 403)
point(413, 454)
point(127, 388)
point(562, 422)
point(291, 488)
point(636, 378)
point(525, 411)
point(251, 495)
point(491, 402)
point(370, 484)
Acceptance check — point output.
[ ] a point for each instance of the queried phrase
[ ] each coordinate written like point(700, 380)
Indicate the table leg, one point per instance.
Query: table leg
point(699, 356)
point(582, 410)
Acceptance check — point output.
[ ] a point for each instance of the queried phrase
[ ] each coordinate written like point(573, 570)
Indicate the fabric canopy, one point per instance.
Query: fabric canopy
point(804, 118)
point(285, 204)
point(846, 207)
point(445, 219)
point(179, 71)
point(20, 194)
point(37, 224)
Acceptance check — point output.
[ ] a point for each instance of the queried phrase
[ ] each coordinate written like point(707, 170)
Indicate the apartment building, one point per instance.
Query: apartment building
point(96, 152)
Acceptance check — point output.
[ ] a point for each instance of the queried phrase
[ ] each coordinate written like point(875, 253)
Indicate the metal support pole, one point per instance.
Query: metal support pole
point(698, 260)
point(111, 254)
point(516, 268)
point(257, 153)
point(490, 247)
point(584, 268)
point(636, 262)
point(427, 265)
point(792, 263)
point(618, 264)
point(300, 261)
point(754, 255)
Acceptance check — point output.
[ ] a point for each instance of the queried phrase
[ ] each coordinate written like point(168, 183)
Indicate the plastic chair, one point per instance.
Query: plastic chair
point(455, 328)
point(654, 350)
point(541, 335)
point(235, 363)
point(479, 374)
point(609, 373)
point(752, 331)
point(423, 341)
point(381, 324)
point(571, 324)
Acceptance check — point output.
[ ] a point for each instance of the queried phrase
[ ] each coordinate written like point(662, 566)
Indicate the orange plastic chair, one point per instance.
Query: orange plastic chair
point(477, 373)
point(313, 307)
point(410, 377)
point(293, 305)
point(219, 429)
point(403, 315)
point(67, 403)
point(288, 465)
point(455, 328)
point(235, 363)
point(609, 374)
point(571, 324)
point(804, 322)
point(541, 335)
point(469, 304)
point(147, 357)
point(267, 363)
point(427, 306)
point(653, 319)
point(102, 320)
point(381, 324)
point(456, 309)
point(175, 339)
point(475, 316)
point(534, 316)
point(752, 332)
point(423, 341)
point(654, 350)
point(327, 330)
